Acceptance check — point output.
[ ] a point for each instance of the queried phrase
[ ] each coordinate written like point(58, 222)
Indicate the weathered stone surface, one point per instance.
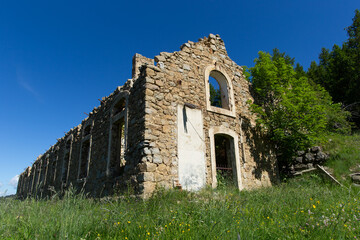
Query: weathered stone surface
point(308, 160)
point(147, 167)
point(320, 156)
point(315, 149)
point(146, 177)
point(159, 58)
point(300, 153)
point(309, 157)
point(157, 159)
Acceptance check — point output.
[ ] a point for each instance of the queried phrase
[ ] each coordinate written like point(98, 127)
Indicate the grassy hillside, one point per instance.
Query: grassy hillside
point(302, 207)
point(344, 154)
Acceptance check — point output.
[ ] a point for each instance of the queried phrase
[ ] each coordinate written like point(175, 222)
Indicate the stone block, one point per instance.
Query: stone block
point(159, 177)
point(162, 168)
point(146, 177)
point(147, 167)
point(320, 156)
point(160, 83)
point(157, 159)
point(300, 153)
point(186, 67)
point(309, 157)
point(315, 149)
point(159, 58)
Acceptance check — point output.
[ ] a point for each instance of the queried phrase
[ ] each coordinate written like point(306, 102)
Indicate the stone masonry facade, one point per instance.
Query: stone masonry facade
point(160, 129)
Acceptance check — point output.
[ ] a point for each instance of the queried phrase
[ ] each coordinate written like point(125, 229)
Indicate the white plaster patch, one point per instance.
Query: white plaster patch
point(191, 148)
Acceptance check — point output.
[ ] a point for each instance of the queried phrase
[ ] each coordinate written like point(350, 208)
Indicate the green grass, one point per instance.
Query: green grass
point(300, 208)
point(344, 154)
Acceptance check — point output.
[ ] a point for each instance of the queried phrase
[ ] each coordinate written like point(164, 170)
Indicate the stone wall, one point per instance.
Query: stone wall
point(132, 138)
point(306, 160)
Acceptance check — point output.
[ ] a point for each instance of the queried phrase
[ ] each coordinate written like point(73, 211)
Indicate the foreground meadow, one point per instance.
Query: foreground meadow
point(304, 207)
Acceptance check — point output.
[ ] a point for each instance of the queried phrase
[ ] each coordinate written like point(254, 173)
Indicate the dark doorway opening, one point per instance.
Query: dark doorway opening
point(117, 160)
point(85, 152)
point(225, 160)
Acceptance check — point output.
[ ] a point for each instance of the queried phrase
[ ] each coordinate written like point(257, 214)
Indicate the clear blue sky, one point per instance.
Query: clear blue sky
point(58, 57)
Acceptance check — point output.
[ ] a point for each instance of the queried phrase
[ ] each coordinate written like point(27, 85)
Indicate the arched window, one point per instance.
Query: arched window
point(219, 96)
point(215, 94)
point(219, 91)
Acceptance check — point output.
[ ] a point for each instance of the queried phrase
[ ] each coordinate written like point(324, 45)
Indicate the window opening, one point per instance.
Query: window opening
point(68, 144)
point(119, 106)
point(117, 160)
point(87, 130)
point(53, 170)
point(42, 171)
point(36, 177)
point(64, 174)
point(219, 94)
point(33, 175)
point(85, 152)
point(215, 95)
point(47, 171)
point(54, 165)
point(65, 167)
point(225, 159)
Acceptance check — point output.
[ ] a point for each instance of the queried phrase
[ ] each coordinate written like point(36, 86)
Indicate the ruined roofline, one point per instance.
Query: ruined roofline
point(213, 42)
point(104, 101)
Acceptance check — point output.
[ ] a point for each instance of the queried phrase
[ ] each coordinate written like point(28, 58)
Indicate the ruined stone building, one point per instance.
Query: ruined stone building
point(161, 128)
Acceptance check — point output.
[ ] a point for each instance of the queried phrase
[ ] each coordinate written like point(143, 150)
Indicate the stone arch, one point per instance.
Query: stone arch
point(221, 130)
point(226, 90)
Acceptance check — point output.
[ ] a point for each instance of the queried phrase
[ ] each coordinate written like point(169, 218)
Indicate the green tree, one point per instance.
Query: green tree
point(338, 71)
point(291, 110)
point(215, 96)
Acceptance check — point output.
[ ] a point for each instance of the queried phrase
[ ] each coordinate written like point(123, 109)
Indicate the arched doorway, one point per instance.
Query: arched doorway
point(225, 156)
point(225, 159)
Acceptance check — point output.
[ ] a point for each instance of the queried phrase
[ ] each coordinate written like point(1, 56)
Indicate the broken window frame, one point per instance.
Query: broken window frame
point(47, 162)
point(67, 154)
point(55, 159)
point(118, 116)
point(35, 180)
point(87, 142)
point(32, 174)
